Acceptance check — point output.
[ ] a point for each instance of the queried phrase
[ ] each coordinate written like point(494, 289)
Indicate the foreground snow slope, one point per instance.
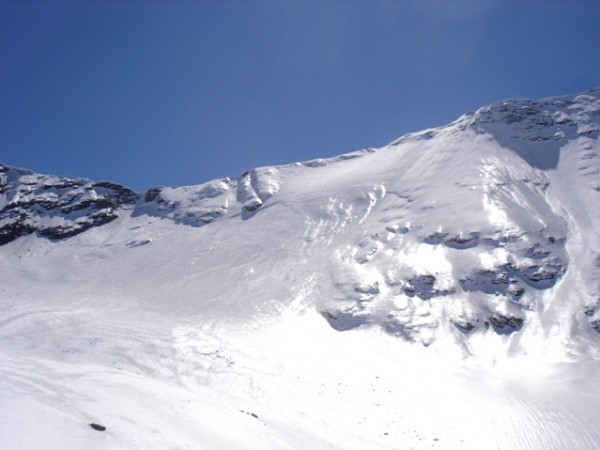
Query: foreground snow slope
point(440, 292)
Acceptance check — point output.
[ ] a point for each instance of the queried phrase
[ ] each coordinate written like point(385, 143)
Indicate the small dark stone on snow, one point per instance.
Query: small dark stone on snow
point(97, 427)
point(464, 326)
point(251, 414)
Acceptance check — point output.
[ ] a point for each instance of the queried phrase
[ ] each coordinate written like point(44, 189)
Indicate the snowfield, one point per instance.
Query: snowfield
point(440, 292)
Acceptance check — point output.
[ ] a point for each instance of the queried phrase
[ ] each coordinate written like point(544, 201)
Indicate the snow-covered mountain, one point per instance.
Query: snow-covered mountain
point(362, 301)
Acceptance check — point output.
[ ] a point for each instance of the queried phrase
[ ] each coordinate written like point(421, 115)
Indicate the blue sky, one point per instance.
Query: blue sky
point(168, 93)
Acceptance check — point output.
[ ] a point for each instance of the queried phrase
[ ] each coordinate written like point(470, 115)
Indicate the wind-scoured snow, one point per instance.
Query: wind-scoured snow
point(440, 292)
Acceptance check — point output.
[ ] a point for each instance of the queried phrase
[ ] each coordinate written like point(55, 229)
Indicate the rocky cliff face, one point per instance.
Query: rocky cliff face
point(55, 207)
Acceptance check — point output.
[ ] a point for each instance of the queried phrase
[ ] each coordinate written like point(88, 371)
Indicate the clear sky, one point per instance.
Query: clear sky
point(169, 93)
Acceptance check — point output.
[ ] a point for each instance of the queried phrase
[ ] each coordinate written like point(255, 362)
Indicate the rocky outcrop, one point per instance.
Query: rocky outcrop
point(505, 324)
point(189, 205)
point(423, 287)
point(61, 207)
point(55, 207)
point(204, 203)
point(594, 316)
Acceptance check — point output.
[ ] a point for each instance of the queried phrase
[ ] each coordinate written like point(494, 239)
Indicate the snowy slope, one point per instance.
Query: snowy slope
point(440, 292)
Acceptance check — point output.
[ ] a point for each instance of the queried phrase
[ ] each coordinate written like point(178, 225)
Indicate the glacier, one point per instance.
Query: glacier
point(442, 291)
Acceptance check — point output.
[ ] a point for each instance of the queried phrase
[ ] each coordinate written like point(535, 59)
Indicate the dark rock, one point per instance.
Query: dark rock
point(97, 427)
point(13, 231)
point(33, 201)
point(253, 205)
point(138, 243)
point(462, 243)
point(251, 414)
point(536, 252)
point(487, 281)
point(465, 327)
point(517, 292)
point(435, 238)
point(122, 194)
point(594, 323)
point(422, 287)
point(152, 194)
point(505, 324)
point(501, 240)
point(397, 229)
point(542, 276)
point(90, 204)
point(344, 320)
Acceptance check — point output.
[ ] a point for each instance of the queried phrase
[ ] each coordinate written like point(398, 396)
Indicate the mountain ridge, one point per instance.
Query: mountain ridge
point(476, 198)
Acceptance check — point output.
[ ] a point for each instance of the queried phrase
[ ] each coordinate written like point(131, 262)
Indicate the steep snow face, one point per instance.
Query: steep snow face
point(468, 231)
point(485, 228)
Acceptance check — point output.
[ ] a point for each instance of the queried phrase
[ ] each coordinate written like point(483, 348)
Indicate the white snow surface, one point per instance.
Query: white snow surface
point(440, 292)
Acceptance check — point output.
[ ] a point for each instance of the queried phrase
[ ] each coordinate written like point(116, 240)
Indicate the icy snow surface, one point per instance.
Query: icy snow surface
point(440, 292)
